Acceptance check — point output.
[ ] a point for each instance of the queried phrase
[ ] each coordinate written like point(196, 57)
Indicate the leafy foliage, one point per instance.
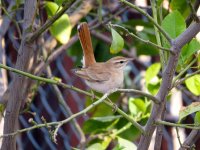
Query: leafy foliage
point(192, 108)
point(117, 42)
point(104, 127)
point(193, 84)
point(61, 29)
point(125, 144)
point(151, 78)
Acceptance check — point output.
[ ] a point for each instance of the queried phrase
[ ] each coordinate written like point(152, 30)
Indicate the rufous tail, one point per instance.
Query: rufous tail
point(86, 43)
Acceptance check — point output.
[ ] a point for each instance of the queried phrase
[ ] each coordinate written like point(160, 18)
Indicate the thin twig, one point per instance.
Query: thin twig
point(59, 123)
point(154, 99)
point(13, 20)
point(177, 125)
point(57, 82)
point(187, 93)
point(193, 11)
point(190, 140)
point(165, 86)
point(43, 28)
point(178, 136)
point(178, 82)
point(67, 109)
point(140, 39)
point(190, 17)
point(54, 81)
point(150, 18)
point(124, 128)
point(183, 71)
point(163, 59)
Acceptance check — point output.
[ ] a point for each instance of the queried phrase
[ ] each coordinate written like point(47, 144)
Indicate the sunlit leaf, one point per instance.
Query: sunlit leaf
point(106, 141)
point(153, 88)
point(190, 49)
point(125, 144)
point(197, 118)
point(117, 42)
point(174, 24)
point(61, 28)
point(95, 146)
point(185, 111)
point(136, 105)
point(193, 84)
point(152, 72)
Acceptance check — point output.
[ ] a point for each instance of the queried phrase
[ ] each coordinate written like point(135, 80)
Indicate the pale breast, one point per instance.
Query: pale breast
point(116, 81)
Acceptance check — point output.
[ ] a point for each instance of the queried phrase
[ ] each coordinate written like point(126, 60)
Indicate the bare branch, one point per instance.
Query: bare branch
point(24, 62)
point(59, 123)
point(192, 126)
point(166, 84)
point(56, 82)
point(49, 22)
point(190, 140)
point(165, 34)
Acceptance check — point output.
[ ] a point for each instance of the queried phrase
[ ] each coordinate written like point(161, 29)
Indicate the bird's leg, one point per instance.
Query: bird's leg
point(93, 96)
point(114, 105)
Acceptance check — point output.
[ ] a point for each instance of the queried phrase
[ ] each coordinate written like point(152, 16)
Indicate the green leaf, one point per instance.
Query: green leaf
point(180, 5)
point(197, 118)
point(144, 49)
point(193, 84)
point(94, 126)
point(61, 28)
point(96, 146)
point(189, 50)
point(174, 24)
point(125, 144)
point(97, 124)
point(159, 2)
point(154, 87)
point(2, 108)
point(117, 42)
point(117, 147)
point(59, 2)
point(152, 72)
point(106, 141)
point(136, 106)
point(103, 109)
point(151, 78)
point(194, 107)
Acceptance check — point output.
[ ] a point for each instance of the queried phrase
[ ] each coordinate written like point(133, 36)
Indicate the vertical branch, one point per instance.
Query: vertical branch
point(166, 84)
point(190, 140)
point(4, 28)
point(155, 16)
point(19, 87)
point(68, 110)
point(159, 131)
point(159, 134)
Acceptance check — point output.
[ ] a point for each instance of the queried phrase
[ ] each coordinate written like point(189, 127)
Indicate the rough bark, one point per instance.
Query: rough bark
point(168, 73)
point(190, 140)
point(18, 89)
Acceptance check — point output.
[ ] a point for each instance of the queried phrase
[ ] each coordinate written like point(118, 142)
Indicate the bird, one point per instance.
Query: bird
point(102, 77)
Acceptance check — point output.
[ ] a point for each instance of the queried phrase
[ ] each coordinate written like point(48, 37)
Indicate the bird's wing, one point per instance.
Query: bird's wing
point(93, 74)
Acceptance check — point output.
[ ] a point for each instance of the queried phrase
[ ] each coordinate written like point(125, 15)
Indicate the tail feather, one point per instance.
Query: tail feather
point(86, 43)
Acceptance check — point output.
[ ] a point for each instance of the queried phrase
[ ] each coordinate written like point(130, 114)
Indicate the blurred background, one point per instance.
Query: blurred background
point(60, 51)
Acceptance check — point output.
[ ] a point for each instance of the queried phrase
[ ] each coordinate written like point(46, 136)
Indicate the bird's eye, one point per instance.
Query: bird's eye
point(121, 62)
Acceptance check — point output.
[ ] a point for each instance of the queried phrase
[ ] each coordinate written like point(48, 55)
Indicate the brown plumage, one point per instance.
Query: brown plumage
point(100, 76)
